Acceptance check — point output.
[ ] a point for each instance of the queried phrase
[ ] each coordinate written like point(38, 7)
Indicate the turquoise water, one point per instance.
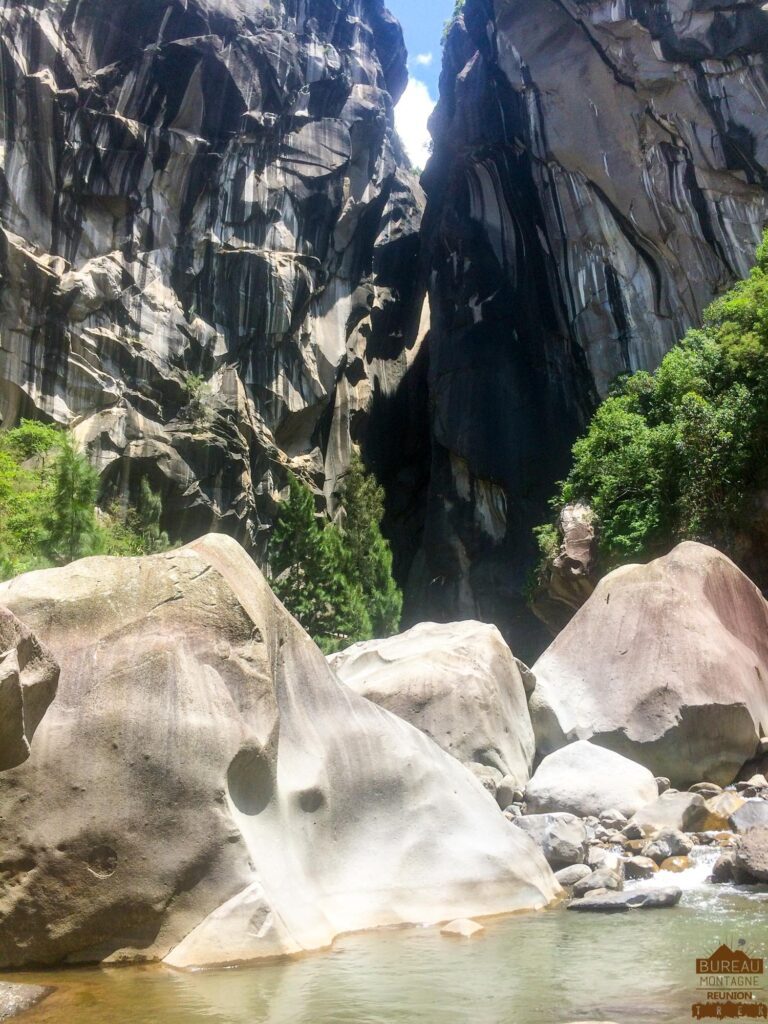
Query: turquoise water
point(548, 968)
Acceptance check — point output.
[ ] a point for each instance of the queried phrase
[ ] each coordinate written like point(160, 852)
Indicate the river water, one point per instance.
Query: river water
point(547, 968)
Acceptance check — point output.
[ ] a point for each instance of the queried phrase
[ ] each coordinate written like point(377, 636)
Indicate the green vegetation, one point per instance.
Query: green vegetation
point(336, 580)
point(48, 513)
point(681, 453)
point(458, 8)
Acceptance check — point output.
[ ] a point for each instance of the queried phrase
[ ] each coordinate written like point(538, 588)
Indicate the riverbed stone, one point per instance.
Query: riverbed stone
point(561, 837)
point(666, 664)
point(685, 812)
point(621, 902)
point(585, 779)
point(668, 843)
point(724, 869)
point(459, 683)
point(17, 999)
point(640, 868)
point(599, 857)
point(719, 811)
point(751, 857)
point(751, 814)
point(706, 789)
point(463, 928)
point(568, 877)
point(602, 878)
point(613, 820)
point(663, 784)
point(204, 790)
point(676, 865)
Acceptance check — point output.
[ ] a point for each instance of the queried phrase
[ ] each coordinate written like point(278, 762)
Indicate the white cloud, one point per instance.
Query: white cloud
point(411, 116)
point(424, 60)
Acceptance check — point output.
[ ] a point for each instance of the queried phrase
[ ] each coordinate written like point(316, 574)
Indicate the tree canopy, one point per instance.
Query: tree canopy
point(681, 453)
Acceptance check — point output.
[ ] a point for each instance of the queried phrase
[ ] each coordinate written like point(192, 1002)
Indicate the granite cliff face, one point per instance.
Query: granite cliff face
point(599, 175)
point(207, 240)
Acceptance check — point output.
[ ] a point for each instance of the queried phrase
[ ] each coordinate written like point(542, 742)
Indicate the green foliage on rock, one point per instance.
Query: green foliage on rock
point(681, 453)
point(48, 513)
point(336, 579)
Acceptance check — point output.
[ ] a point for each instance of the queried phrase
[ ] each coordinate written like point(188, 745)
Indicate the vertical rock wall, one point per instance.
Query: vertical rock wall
point(207, 239)
point(599, 175)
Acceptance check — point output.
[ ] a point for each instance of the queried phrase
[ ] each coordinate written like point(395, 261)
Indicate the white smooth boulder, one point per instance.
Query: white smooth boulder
point(667, 663)
point(458, 683)
point(587, 780)
point(205, 790)
point(28, 680)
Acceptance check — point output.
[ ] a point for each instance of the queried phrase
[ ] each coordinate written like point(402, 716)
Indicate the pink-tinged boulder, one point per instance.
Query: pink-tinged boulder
point(667, 664)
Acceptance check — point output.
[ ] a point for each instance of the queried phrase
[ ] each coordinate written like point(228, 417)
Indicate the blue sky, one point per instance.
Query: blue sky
point(422, 22)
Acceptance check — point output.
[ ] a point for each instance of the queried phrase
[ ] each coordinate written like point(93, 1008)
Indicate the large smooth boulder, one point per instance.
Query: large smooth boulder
point(28, 680)
point(667, 663)
point(458, 683)
point(205, 790)
point(621, 902)
point(587, 780)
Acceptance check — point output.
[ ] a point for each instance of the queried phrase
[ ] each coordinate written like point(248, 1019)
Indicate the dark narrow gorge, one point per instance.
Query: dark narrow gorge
point(214, 265)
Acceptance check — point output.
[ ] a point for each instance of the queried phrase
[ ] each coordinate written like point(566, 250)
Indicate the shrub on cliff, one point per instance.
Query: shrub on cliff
point(336, 579)
point(48, 513)
point(681, 453)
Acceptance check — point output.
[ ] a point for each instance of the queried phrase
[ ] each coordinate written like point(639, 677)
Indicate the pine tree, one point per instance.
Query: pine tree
point(368, 556)
point(149, 511)
point(71, 526)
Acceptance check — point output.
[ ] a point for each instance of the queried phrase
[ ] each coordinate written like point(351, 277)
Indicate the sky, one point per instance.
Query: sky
point(422, 22)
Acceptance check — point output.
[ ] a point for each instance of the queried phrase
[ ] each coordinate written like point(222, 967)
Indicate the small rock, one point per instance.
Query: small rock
point(508, 792)
point(723, 871)
point(719, 811)
point(604, 878)
point(621, 902)
point(668, 843)
point(677, 864)
point(513, 811)
point(597, 857)
point(462, 928)
point(562, 837)
point(633, 831)
point(613, 820)
point(663, 784)
point(706, 789)
point(568, 877)
point(491, 778)
point(681, 811)
point(640, 868)
point(751, 814)
point(16, 999)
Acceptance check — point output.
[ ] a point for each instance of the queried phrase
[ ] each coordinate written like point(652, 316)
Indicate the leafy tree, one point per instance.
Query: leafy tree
point(48, 511)
point(681, 453)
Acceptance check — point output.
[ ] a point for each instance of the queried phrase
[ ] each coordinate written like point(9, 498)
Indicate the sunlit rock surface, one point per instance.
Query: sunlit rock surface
point(667, 664)
point(599, 175)
point(205, 790)
point(28, 680)
point(207, 240)
point(459, 683)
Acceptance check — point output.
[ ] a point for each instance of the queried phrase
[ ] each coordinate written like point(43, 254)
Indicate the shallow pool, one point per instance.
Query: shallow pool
point(547, 968)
